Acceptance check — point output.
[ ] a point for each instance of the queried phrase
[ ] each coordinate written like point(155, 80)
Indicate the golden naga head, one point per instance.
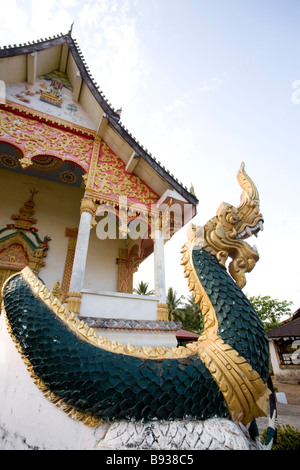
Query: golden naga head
point(224, 235)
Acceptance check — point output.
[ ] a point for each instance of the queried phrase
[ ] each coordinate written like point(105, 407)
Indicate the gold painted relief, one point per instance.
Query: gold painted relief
point(225, 233)
point(42, 116)
point(38, 138)
point(125, 272)
point(111, 179)
point(244, 391)
point(89, 334)
point(65, 284)
point(19, 244)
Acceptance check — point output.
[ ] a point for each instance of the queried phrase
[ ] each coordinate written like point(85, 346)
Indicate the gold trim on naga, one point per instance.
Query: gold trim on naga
point(244, 391)
point(90, 335)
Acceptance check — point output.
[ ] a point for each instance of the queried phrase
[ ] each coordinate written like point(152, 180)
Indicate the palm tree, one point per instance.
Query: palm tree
point(192, 319)
point(142, 289)
point(174, 303)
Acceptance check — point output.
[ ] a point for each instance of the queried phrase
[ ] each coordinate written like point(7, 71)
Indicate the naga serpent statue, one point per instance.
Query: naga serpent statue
point(224, 374)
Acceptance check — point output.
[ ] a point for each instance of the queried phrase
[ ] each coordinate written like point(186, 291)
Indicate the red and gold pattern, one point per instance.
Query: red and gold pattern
point(111, 180)
point(36, 138)
point(65, 284)
point(14, 257)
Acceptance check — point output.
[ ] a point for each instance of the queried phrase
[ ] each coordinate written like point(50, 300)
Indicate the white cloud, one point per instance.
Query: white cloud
point(159, 116)
point(14, 23)
point(114, 53)
point(89, 15)
point(59, 19)
point(209, 85)
point(68, 3)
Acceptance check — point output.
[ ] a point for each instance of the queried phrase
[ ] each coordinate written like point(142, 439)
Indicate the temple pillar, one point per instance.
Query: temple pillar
point(125, 272)
point(71, 233)
point(159, 276)
point(87, 211)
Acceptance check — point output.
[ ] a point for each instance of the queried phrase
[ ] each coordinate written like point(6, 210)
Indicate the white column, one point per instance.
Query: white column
point(274, 358)
point(159, 267)
point(82, 245)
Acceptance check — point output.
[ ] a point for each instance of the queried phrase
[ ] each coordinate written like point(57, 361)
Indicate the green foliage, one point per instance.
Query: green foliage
point(192, 319)
point(288, 438)
point(181, 309)
point(142, 289)
point(174, 303)
point(270, 311)
point(185, 311)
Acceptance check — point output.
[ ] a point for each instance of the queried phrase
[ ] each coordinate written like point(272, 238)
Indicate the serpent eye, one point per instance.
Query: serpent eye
point(231, 219)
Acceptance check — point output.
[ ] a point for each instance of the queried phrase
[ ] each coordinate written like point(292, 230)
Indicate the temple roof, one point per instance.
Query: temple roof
point(183, 335)
point(62, 53)
point(287, 329)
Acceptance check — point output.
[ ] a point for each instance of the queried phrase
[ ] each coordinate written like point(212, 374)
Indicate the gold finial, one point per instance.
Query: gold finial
point(250, 192)
point(24, 220)
point(192, 190)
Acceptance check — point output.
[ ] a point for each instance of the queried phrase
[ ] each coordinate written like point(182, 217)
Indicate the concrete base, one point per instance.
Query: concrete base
point(136, 332)
point(118, 305)
point(127, 318)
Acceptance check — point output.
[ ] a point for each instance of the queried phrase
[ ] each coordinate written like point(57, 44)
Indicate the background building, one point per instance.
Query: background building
point(285, 350)
point(82, 201)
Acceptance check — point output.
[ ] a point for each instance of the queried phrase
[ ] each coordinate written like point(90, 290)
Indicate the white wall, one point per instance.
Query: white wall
point(140, 338)
point(118, 305)
point(284, 374)
point(101, 272)
point(56, 207)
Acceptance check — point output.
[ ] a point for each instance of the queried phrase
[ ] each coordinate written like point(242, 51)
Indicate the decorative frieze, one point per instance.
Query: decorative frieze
point(74, 301)
point(162, 312)
point(88, 205)
point(35, 138)
point(125, 272)
point(20, 244)
point(72, 235)
point(130, 324)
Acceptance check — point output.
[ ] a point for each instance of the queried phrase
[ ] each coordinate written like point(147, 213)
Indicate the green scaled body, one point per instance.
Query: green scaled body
point(111, 386)
point(238, 323)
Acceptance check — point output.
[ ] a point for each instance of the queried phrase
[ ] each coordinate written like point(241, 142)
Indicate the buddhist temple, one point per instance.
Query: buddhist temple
point(86, 363)
point(83, 203)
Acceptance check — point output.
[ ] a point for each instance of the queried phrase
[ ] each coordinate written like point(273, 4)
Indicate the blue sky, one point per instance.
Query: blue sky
point(203, 85)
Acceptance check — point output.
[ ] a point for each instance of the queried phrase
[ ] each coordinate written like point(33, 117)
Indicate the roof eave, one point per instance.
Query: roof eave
point(28, 48)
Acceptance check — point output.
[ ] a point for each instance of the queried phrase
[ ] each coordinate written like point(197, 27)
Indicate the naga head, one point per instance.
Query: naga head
point(224, 235)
